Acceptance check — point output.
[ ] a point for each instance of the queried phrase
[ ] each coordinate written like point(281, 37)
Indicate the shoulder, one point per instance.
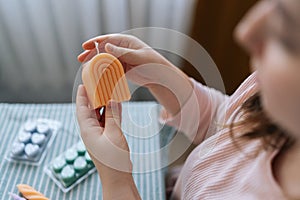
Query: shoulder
point(247, 89)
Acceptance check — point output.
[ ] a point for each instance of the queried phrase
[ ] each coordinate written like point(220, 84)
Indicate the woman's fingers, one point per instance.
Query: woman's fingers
point(102, 40)
point(82, 109)
point(86, 117)
point(85, 56)
point(90, 44)
point(123, 54)
point(113, 114)
point(113, 131)
point(122, 40)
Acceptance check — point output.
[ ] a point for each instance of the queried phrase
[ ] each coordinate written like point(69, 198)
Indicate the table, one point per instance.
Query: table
point(149, 176)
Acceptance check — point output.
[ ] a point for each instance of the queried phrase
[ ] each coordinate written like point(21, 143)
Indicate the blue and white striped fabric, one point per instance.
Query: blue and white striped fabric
point(149, 178)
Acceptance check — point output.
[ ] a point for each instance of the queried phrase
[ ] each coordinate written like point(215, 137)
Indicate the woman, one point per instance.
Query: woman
point(256, 154)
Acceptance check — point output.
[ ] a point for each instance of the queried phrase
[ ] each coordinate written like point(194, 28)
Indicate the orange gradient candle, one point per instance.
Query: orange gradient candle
point(104, 79)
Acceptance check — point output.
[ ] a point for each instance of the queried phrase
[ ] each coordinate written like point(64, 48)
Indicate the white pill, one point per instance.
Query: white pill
point(18, 148)
point(43, 128)
point(24, 136)
point(30, 126)
point(32, 150)
point(38, 138)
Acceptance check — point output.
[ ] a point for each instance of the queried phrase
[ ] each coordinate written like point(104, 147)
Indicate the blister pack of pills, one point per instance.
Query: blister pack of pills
point(32, 140)
point(71, 167)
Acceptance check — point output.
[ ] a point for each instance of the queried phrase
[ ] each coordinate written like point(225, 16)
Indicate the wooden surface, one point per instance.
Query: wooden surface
point(213, 27)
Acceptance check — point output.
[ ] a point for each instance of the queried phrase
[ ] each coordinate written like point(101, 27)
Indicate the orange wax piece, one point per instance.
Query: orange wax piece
point(30, 193)
point(104, 79)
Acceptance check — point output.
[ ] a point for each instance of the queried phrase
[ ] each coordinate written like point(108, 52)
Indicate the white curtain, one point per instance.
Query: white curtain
point(40, 39)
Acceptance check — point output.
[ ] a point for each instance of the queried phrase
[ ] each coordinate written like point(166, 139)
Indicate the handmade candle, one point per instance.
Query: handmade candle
point(16, 197)
point(30, 193)
point(104, 80)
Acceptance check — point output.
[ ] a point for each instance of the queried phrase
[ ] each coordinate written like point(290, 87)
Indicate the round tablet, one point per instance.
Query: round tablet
point(31, 150)
point(24, 136)
point(80, 148)
point(38, 138)
point(80, 164)
point(43, 128)
point(30, 126)
point(58, 164)
point(18, 148)
point(68, 174)
point(71, 155)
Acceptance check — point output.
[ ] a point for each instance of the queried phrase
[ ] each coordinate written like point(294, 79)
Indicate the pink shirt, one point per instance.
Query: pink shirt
point(216, 169)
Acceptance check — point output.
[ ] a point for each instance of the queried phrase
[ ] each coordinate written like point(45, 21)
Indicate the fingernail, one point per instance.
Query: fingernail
point(109, 47)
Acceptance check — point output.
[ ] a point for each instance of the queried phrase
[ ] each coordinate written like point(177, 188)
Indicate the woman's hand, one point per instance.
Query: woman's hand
point(107, 147)
point(129, 49)
point(103, 136)
point(133, 54)
point(144, 66)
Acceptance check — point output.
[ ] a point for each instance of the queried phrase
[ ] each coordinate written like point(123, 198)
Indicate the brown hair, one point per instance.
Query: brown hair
point(259, 126)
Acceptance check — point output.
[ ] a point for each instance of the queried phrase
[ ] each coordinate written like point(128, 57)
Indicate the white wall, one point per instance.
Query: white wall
point(40, 39)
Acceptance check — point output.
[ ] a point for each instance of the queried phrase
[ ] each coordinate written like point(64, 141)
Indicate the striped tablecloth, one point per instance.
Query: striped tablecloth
point(136, 121)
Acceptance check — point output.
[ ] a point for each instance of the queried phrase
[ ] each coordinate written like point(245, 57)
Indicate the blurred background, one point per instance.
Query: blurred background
point(40, 40)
